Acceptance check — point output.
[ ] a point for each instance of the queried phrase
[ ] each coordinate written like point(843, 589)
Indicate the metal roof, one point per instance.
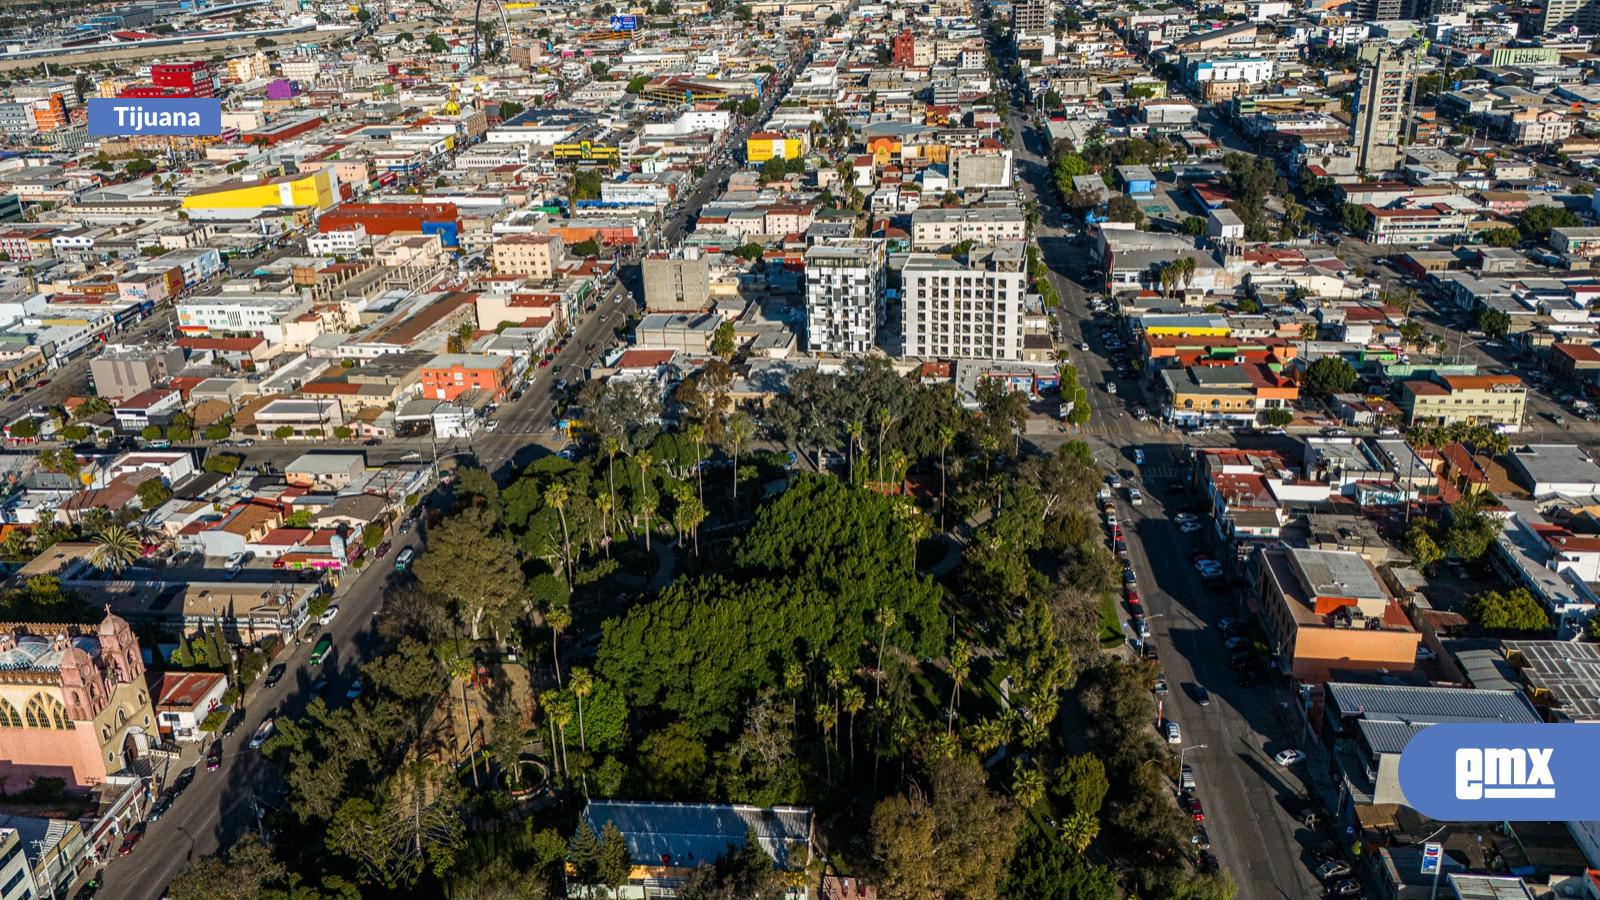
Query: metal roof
point(1431, 705)
point(689, 834)
point(1568, 671)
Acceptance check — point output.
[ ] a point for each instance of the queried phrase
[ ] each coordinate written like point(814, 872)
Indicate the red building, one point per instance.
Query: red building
point(386, 218)
point(191, 79)
point(905, 48)
point(449, 375)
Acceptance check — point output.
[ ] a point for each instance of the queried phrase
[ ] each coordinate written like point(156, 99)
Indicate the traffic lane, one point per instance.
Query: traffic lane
point(72, 379)
point(220, 806)
point(1244, 792)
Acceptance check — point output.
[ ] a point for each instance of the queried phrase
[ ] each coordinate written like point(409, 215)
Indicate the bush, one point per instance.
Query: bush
point(252, 664)
point(151, 433)
point(283, 432)
point(372, 535)
point(212, 723)
point(223, 463)
point(319, 605)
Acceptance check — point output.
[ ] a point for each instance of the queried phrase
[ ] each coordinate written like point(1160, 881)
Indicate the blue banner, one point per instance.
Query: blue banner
point(1502, 773)
point(624, 23)
point(128, 116)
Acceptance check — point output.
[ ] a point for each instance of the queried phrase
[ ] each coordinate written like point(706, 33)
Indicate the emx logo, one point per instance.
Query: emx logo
point(1502, 773)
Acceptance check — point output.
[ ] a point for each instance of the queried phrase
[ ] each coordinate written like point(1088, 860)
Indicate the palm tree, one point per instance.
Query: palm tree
point(947, 436)
point(989, 734)
point(943, 746)
point(1308, 331)
point(460, 669)
point(560, 713)
point(853, 430)
point(647, 503)
point(855, 699)
point(886, 620)
point(607, 506)
point(736, 436)
point(885, 419)
point(1078, 830)
point(1028, 787)
point(827, 718)
point(794, 678)
point(960, 667)
point(559, 618)
point(582, 687)
point(556, 495)
point(610, 446)
point(697, 433)
point(687, 516)
point(115, 548)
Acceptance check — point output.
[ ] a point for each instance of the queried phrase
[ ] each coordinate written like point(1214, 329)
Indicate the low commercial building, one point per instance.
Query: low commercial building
point(184, 700)
point(667, 842)
point(1327, 610)
point(449, 375)
point(1499, 400)
point(1427, 225)
point(124, 372)
point(1224, 395)
point(325, 471)
point(932, 229)
point(676, 284)
point(1562, 469)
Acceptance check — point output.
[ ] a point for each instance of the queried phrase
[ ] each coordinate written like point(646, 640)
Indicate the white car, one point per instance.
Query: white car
point(1134, 497)
point(1182, 517)
point(1188, 527)
point(1111, 388)
point(1173, 737)
point(329, 614)
point(1289, 757)
point(1084, 346)
point(235, 560)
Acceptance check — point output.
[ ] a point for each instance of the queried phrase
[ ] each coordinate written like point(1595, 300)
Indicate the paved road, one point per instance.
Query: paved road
point(72, 379)
point(1251, 830)
point(220, 806)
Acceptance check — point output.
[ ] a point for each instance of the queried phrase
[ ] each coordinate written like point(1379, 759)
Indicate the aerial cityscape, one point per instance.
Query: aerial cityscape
point(904, 450)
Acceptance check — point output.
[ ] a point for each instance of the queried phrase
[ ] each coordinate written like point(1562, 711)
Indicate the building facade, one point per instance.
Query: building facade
point(1383, 100)
point(73, 702)
point(972, 311)
point(845, 282)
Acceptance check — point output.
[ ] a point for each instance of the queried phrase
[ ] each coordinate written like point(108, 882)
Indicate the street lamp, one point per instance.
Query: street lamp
point(1186, 750)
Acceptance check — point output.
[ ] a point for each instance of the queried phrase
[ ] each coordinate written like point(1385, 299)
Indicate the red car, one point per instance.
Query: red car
point(41, 382)
point(131, 841)
point(1133, 597)
point(544, 363)
point(1196, 812)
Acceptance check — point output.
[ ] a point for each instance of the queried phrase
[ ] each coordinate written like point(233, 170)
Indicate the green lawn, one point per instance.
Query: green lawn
point(1110, 622)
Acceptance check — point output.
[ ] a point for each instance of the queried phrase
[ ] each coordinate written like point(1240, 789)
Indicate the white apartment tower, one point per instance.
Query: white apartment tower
point(845, 282)
point(971, 310)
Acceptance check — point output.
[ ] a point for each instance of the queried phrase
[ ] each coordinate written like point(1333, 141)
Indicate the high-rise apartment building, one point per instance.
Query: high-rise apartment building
point(971, 310)
point(845, 282)
point(1383, 100)
point(1570, 17)
point(1032, 17)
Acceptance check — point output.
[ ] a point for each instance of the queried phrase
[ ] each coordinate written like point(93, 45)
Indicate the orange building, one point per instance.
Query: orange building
point(449, 375)
point(1327, 609)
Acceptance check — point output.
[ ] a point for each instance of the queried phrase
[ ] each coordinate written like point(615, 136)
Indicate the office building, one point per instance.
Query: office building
point(844, 295)
point(676, 283)
point(971, 310)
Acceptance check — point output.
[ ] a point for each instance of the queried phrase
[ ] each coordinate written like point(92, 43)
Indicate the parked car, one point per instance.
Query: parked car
point(1174, 736)
point(1201, 695)
point(276, 675)
point(1344, 887)
point(214, 756)
point(1288, 757)
point(1186, 777)
point(182, 782)
point(1332, 868)
point(329, 614)
point(160, 808)
point(1196, 811)
point(131, 840)
point(1200, 838)
point(355, 689)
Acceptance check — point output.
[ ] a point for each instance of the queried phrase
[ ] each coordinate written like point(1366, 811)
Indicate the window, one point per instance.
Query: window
point(46, 712)
point(9, 717)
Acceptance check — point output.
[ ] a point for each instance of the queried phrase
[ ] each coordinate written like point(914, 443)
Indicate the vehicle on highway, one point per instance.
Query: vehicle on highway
point(320, 651)
point(276, 675)
point(262, 734)
point(214, 756)
point(403, 561)
point(329, 614)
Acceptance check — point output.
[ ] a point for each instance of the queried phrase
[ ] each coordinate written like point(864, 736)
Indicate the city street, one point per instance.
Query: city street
point(220, 806)
point(1251, 830)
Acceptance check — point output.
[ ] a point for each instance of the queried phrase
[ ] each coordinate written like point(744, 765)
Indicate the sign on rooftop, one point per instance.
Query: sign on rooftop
point(624, 23)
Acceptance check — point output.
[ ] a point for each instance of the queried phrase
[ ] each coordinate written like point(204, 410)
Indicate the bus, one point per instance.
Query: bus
point(320, 651)
point(403, 561)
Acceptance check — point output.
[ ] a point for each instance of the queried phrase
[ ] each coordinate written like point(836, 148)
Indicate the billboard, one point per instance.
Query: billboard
point(624, 23)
